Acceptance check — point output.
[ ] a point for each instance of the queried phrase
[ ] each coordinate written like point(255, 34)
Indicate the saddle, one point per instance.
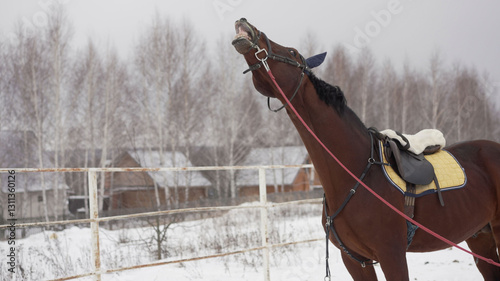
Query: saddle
point(416, 165)
point(408, 152)
point(405, 153)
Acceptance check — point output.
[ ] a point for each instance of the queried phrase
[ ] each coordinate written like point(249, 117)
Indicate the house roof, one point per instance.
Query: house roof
point(287, 155)
point(153, 158)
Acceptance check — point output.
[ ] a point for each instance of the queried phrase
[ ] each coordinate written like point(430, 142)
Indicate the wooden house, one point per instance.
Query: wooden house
point(20, 150)
point(140, 189)
point(277, 180)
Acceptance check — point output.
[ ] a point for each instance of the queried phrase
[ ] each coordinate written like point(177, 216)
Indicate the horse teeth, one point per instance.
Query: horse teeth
point(241, 32)
point(242, 35)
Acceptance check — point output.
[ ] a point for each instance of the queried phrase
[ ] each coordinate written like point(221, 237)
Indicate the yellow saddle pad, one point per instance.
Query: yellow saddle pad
point(449, 173)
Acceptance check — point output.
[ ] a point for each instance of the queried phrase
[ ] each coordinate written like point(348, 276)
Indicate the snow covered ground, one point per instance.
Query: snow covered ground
point(50, 254)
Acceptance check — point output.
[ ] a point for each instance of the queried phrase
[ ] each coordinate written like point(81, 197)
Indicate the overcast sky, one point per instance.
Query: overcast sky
point(461, 30)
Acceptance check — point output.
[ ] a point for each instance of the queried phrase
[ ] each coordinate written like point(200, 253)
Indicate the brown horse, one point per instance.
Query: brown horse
point(369, 230)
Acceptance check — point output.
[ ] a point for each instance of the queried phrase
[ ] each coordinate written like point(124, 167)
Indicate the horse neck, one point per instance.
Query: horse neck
point(343, 134)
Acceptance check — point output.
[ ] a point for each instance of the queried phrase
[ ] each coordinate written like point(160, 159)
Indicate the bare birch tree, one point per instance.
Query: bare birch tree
point(433, 100)
point(113, 116)
point(4, 87)
point(58, 35)
point(87, 86)
point(30, 74)
point(365, 76)
point(389, 93)
point(339, 70)
point(189, 97)
point(11, 104)
point(156, 63)
point(405, 99)
point(473, 113)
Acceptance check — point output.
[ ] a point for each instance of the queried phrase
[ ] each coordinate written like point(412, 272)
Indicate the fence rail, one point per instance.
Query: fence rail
point(94, 219)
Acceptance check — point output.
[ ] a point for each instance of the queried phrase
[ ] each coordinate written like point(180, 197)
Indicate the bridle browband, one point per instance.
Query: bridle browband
point(268, 54)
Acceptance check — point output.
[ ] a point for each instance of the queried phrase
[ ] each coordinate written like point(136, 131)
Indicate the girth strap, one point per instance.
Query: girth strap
point(438, 188)
point(409, 207)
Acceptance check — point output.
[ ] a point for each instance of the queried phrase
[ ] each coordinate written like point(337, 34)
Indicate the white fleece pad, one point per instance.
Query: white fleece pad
point(419, 141)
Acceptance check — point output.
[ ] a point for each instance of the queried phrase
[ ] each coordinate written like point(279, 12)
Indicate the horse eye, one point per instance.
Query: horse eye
point(292, 52)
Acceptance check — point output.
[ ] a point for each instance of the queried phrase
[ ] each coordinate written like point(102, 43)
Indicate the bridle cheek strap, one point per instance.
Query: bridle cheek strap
point(291, 98)
point(262, 55)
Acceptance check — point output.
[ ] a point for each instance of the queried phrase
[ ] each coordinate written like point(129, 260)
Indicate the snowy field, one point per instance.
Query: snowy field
point(50, 254)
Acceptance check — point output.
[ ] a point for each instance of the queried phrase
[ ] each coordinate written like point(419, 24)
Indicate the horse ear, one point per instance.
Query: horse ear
point(315, 60)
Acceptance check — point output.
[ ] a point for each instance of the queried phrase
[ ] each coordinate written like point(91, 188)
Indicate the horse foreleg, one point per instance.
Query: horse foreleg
point(359, 273)
point(483, 244)
point(394, 266)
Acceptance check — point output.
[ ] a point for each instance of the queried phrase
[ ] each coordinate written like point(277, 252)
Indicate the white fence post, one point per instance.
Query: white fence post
point(264, 222)
point(94, 225)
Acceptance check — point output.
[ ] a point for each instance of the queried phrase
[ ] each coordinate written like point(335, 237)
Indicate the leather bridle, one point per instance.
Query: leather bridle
point(268, 54)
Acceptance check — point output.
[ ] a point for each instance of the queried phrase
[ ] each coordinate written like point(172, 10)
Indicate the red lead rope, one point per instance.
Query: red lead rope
point(490, 261)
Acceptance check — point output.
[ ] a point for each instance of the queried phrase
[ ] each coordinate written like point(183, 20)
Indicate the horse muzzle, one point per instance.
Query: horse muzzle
point(245, 35)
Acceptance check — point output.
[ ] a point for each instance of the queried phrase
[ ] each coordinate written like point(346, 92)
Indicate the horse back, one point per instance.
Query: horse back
point(480, 152)
point(480, 160)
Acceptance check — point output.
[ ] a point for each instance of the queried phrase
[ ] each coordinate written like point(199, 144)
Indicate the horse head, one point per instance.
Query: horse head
point(262, 54)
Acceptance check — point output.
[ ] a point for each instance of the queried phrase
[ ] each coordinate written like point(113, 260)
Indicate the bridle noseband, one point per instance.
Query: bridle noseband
point(268, 54)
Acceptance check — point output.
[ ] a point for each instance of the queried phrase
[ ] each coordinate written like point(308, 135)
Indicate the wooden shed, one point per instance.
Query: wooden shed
point(277, 180)
point(138, 189)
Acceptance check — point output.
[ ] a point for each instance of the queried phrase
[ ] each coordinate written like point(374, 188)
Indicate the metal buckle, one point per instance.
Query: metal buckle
point(263, 60)
point(328, 222)
point(260, 51)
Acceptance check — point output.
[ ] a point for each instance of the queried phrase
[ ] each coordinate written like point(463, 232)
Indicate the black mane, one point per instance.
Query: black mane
point(331, 95)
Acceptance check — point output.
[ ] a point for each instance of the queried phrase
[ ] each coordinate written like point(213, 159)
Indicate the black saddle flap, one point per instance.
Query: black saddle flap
point(411, 167)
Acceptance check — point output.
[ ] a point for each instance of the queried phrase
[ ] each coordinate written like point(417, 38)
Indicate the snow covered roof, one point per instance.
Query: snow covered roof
point(32, 182)
point(153, 158)
point(287, 155)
